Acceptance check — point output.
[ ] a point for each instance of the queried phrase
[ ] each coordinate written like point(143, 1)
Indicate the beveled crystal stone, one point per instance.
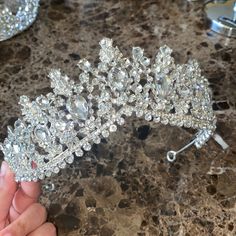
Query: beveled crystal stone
point(60, 125)
point(165, 50)
point(105, 133)
point(113, 128)
point(118, 78)
point(163, 85)
point(42, 101)
point(78, 107)
point(120, 121)
point(87, 147)
point(70, 159)
point(97, 140)
point(42, 133)
point(148, 117)
point(41, 176)
point(16, 148)
point(56, 170)
point(84, 65)
point(106, 43)
point(48, 173)
point(137, 53)
point(62, 165)
point(145, 61)
point(79, 152)
point(18, 124)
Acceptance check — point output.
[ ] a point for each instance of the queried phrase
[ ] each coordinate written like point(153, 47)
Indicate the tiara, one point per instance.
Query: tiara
point(12, 23)
point(63, 124)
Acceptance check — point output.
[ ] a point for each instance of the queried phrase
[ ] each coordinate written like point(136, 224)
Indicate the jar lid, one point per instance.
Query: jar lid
point(222, 16)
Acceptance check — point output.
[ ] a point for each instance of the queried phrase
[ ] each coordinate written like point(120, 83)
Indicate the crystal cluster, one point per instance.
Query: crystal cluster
point(13, 23)
point(61, 125)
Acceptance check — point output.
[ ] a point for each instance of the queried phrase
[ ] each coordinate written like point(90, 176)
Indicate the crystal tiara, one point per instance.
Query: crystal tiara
point(66, 122)
point(12, 23)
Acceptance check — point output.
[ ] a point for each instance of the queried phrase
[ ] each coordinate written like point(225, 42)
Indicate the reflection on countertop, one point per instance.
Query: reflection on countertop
point(125, 186)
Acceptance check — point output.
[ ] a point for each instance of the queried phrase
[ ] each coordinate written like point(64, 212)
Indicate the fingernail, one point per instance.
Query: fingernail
point(4, 169)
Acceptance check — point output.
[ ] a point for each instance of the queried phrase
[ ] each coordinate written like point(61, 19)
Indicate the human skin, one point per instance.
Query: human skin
point(20, 212)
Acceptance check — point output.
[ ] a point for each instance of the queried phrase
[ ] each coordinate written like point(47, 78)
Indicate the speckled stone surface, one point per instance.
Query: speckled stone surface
point(125, 186)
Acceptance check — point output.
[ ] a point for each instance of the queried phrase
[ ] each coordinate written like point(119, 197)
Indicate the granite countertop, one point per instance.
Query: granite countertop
point(125, 186)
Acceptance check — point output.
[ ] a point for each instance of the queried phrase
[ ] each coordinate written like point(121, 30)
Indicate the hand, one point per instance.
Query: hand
point(20, 214)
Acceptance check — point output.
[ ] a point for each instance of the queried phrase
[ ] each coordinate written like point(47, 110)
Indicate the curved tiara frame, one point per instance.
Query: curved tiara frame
point(60, 125)
point(12, 24)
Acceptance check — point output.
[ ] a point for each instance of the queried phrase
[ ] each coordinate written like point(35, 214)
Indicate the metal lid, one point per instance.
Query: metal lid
point(222, 16)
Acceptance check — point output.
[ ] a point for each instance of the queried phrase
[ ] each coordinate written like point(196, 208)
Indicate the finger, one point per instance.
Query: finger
point(27, 194)
point(32, 218)
point(46, 229)
point(8, 187)
point(13, 214)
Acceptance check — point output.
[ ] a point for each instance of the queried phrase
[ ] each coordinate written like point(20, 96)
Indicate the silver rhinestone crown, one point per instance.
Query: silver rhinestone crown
point(65, 123)
point(12, 23)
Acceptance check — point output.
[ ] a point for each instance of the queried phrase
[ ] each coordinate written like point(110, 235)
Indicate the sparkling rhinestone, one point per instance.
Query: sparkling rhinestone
point(164, 121)
point(18, 124)
point(137, 53)
point(148, 117)
point(139, 113)
point(87, 147)
point(24, 100)
point(84, 77)
point(60, 125)
point(16, 148)
point(41, 176)
point(97, 140)
point(106, 43)
point(157, 119)
point(43, 101)
point(180, 123)
point(56, 170)
point(69, 159)
point(163, 85)
point(145, 61)
point(79, 153)
point(113, 128)
point(84, 65)
point(165, 50)
point(78, 107)
point(120, 121)
point(48, 173)
point(132, 98)
point(42, 133)
point(118, 78)
point(105, 133)
point(128, 111)
point(62, 165)
point(149, 78)
point(197, 145)
point(105, 95)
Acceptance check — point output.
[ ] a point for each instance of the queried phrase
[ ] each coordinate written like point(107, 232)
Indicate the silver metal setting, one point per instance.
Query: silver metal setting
point(61, 125)
point(13, 23)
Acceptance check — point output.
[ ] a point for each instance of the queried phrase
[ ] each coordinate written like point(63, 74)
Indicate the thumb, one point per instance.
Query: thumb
point(8, 188)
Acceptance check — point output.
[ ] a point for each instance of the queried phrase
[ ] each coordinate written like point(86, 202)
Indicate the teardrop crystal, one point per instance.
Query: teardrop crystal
point(78, 107)
point(42, 133)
